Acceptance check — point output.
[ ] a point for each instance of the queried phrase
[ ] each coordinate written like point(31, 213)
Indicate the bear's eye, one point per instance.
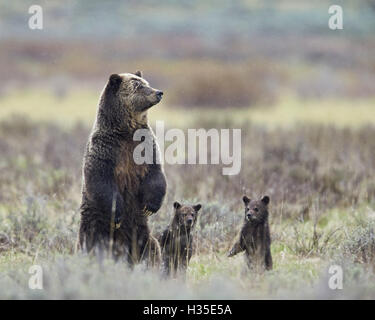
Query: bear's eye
point(140, 86)
point(256, 209)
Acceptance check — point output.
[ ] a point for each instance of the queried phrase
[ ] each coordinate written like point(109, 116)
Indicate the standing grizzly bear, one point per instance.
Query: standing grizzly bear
point(177, 241)
point(117, 193)
point(255, 237)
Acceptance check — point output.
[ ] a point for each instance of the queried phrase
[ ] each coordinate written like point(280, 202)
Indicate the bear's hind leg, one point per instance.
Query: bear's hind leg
point(93, 235)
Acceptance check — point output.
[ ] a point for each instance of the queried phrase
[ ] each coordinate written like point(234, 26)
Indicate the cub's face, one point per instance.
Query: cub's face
point(256, 210)
point(186, 216)
point(134, 92)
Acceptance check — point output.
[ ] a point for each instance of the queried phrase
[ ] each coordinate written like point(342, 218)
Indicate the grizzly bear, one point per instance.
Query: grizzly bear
point(177, 240)
point(255, 237)
point(119, 194)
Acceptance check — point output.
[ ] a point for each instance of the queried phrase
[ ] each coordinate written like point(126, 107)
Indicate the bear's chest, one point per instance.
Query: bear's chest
point(179, 243)
point(128, 173)
point(255, 241)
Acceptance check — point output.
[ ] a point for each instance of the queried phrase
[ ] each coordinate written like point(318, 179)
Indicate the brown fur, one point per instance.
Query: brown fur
point(127, 175)
point(177, 240)
point(255, 237)
point(117, 192)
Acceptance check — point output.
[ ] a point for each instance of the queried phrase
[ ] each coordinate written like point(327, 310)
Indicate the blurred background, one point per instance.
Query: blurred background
point(205, 54)
point(303, 95)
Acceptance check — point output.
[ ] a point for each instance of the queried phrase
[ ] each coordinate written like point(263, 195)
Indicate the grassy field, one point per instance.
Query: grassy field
point(303, 95)
point(80, 106)
point(315, 159)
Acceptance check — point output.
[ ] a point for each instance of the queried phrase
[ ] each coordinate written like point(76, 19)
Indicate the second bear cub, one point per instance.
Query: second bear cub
point(177, 241)
point(255, 237)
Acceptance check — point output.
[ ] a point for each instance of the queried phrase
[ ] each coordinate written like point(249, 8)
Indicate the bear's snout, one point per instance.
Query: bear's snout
point(159, 94)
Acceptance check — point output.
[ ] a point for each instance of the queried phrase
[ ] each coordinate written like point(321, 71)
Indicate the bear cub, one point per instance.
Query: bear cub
point(177, 240)
point(255, 237)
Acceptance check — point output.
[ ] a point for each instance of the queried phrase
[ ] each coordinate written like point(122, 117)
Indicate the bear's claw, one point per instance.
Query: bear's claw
point(147, 212)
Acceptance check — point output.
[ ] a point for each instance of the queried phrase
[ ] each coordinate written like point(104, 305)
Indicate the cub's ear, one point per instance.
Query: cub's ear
point(139, 74)
point(114, 81)
point(176, 205)
point(197, 207)
point(265, 200)
point(245, 199)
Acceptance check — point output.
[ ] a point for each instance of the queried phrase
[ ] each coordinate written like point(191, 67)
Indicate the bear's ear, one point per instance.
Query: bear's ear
point(115, 81)
point(197, 207)
point(245, 199)
point(176, 205)
point(139, 74)
point(265, 200)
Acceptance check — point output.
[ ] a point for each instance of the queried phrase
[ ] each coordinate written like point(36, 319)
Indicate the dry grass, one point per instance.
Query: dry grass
point(320, 180)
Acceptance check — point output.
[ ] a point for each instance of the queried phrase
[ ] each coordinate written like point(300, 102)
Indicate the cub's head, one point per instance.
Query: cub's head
point(185, 216)
point(133, 92)
point(256, 210)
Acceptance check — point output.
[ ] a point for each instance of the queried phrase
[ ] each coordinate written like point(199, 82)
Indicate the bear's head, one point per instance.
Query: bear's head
point(256, 211)
point(125, 100)
point(185, 216)
point(133, 91)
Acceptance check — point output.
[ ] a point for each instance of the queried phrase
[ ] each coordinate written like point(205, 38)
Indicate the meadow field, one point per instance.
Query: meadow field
point(315, 159)
point(302, 93)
